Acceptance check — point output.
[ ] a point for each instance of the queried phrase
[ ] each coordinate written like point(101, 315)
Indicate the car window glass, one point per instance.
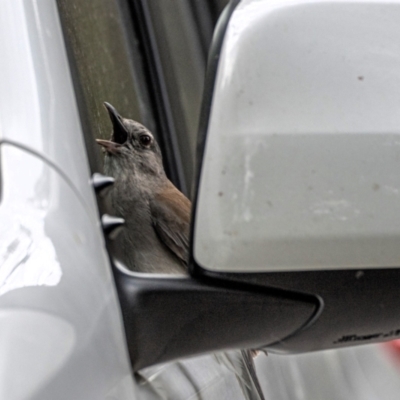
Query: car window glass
point(182, 35)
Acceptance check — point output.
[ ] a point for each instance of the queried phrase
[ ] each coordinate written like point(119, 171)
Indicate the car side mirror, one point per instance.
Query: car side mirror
point(299, 177)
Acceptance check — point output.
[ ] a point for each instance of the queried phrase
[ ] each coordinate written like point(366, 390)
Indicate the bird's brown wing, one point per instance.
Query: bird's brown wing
point(170, 211)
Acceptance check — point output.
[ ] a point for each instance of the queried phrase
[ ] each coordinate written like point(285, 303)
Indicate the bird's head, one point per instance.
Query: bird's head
point(131, 149)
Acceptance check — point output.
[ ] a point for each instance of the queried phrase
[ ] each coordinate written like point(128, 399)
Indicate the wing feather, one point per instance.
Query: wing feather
point(170, 212)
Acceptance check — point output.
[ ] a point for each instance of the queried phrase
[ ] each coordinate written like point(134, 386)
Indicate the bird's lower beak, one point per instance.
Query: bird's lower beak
point(109, 146)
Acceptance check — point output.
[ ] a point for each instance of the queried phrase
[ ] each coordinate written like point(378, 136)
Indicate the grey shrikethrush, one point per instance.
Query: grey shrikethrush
point(156, 213)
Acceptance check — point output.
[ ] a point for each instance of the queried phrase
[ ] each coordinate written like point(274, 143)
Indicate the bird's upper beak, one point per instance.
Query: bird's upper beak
point(120, 133)
point(109, 146)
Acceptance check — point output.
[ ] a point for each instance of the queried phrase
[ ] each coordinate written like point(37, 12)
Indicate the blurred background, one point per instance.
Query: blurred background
point(369, 372)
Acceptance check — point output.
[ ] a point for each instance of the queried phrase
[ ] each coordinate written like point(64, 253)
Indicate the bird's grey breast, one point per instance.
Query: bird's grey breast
point(138, 246)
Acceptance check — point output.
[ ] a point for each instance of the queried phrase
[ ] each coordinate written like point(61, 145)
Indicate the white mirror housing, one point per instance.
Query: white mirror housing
point(301, 168)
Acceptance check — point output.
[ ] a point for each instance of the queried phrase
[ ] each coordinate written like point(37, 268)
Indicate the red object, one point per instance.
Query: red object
point(393, 347)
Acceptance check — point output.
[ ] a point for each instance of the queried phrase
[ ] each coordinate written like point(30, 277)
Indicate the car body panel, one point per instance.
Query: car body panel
point(37, 100)
point(61, 329)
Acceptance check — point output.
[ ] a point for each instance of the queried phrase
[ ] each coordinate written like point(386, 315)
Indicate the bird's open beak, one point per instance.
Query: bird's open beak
point(120, 133)
point(109, 146)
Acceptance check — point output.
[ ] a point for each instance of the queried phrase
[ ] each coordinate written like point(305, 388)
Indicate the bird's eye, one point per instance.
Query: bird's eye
point(145, 140)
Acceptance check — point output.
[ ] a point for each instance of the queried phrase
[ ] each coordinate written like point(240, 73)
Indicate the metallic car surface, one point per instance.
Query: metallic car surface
point(37, 101)
point(61, 330)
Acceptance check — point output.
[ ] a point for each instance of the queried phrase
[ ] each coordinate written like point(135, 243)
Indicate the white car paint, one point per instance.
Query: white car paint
point(61, 332)
point(302, 154)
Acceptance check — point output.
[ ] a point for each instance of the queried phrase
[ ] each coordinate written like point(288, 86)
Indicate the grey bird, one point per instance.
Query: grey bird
point(156, 213)
point(157, 219)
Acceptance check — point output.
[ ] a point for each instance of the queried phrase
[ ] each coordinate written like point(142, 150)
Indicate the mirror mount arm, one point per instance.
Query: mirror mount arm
point(167, 317)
